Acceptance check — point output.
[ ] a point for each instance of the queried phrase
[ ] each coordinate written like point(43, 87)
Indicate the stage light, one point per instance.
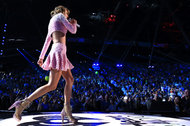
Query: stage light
point(81, 40)
point(4, 30)
point(32, 64)
point(3, 37)
point(5, 24)
point(29, 54)
point(119, 65)
point(96, 16)
point(3, 40)
point(96, 66)
point(3, 43)
point(111, 18)
point(37, 50)
point(151, 67)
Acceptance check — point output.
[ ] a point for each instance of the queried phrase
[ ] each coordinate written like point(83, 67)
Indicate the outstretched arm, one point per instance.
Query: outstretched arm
point(71, 27)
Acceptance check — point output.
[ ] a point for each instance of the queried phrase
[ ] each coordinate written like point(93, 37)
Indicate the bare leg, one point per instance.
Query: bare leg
point(52, 84)
point(54, 77)
point(67, 75)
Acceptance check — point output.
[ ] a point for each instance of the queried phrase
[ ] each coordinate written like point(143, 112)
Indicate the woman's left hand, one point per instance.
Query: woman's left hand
point(40, 62)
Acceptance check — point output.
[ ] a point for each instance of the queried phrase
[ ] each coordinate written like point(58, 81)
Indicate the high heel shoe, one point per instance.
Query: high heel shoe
point(19, 105)
point(63, 114)
point(68, 112)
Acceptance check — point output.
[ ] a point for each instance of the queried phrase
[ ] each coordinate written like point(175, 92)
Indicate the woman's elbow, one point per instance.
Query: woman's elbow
point(74, 32)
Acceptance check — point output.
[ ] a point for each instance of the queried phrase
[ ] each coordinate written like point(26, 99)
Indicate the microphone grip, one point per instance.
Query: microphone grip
point(76, 24)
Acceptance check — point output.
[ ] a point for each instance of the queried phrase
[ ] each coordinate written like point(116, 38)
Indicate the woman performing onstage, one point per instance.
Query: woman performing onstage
point(56, 62)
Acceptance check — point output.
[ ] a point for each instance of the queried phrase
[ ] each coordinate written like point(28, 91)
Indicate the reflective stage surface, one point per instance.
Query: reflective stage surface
point(96, 119)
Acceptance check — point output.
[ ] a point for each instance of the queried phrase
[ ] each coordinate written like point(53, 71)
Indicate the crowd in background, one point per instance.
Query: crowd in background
point(134, 88)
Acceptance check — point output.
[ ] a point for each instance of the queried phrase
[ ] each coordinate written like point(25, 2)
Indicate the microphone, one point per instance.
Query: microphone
point(76, 24)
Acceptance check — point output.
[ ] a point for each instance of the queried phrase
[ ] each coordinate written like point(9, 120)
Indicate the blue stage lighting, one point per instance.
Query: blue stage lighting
point(96, 66)
point(29, 54)
point(40, 52)
point(81, 40)
point(151, 67)
point(33, 65)
point(119, 65)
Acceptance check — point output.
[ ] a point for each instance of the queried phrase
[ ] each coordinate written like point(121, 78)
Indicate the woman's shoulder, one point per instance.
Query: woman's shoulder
point(58, 16)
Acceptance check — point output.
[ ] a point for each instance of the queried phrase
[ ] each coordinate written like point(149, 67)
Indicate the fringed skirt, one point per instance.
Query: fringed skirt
point(57, 58)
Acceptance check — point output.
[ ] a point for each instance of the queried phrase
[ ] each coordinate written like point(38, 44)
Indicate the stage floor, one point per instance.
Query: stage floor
point(96, 119)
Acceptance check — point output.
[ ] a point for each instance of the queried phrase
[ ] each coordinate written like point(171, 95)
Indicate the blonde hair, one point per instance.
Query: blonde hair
point(59, 9)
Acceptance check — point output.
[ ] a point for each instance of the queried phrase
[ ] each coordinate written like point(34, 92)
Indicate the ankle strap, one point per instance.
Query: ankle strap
point(26, 100)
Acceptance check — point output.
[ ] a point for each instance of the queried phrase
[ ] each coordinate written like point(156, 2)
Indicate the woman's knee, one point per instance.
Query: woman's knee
point(70, 79)
point(51, 86)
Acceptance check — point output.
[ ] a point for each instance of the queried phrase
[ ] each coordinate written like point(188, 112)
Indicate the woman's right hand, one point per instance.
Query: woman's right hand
point(40, 62)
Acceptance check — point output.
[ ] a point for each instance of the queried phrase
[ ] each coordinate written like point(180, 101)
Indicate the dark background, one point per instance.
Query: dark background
point(144, 31)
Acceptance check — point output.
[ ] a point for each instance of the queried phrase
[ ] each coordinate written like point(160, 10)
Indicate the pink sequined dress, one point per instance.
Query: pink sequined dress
point(57, 58)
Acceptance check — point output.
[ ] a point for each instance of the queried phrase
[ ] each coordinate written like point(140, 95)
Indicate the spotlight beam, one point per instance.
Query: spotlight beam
point(33, 58)
point(156, 31)
point(138, 31)
point(172, 57)
point(108, 34)
point(177, 21)
point(85, 56)
point(40, 52)
point(32, 64)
